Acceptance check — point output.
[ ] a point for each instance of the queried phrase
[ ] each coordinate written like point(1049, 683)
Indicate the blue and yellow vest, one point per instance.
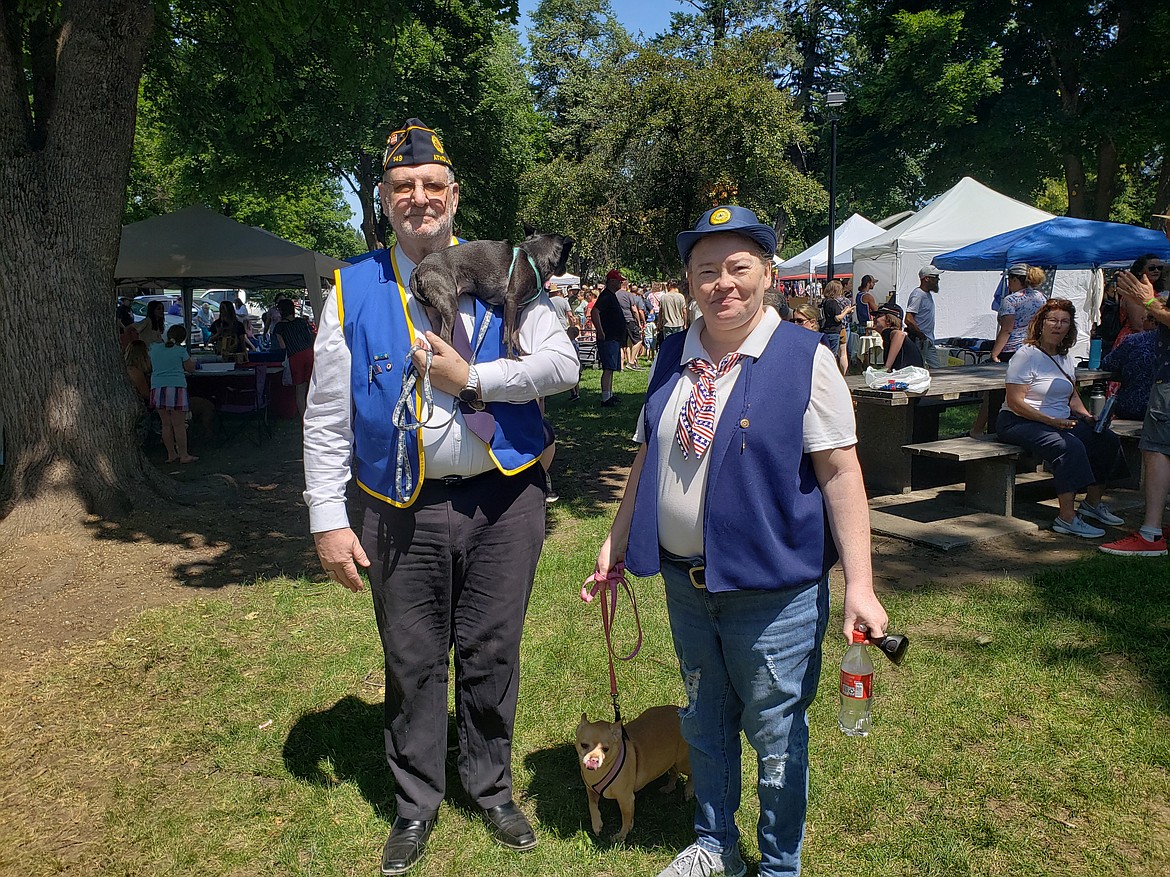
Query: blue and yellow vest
point(372, 310)
point(764, 521)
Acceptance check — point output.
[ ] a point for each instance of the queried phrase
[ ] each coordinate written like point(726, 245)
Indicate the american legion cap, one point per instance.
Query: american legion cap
point(414, 143)
point(729, 218)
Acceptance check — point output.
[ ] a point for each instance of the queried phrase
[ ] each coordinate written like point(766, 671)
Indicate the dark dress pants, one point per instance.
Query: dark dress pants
point(454, 571)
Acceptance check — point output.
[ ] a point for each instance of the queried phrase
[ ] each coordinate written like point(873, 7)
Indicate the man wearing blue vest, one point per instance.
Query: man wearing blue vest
point(451, 500)
point(745, 491)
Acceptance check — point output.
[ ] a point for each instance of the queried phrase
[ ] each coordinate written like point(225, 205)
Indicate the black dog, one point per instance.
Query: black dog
point(481, 268)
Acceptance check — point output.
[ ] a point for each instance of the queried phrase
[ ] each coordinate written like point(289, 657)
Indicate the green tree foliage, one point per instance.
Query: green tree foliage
point(1015, 94)
point(277, 100)
point(648, 136)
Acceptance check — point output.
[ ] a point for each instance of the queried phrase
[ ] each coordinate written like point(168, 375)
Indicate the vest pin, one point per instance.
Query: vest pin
point(745, 423)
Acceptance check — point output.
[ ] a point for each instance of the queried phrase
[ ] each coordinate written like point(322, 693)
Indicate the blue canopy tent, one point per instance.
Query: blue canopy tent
point(1062, 242)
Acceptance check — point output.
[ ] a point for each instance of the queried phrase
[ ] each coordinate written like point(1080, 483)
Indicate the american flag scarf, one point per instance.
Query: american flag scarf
point(696, 421)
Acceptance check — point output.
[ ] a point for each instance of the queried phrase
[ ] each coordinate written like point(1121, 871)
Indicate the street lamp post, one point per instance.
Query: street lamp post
point(834, 99)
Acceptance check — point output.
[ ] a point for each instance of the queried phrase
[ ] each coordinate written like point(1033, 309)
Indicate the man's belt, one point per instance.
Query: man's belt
point(458, 480)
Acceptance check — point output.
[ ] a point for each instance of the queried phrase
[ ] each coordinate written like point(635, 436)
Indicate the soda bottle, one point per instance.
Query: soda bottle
point(856, 688)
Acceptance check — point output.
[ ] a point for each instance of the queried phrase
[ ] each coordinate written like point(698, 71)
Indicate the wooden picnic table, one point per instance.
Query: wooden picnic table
point(887, 420)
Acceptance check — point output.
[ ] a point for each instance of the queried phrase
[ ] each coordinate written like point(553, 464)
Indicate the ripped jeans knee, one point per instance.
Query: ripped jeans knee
point(773, 770)
point(691, 684)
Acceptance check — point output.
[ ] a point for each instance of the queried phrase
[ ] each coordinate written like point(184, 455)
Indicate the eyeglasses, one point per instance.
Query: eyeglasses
point(799, 321)
point(1049, 321)
point(1153, 269)
point(406, 188)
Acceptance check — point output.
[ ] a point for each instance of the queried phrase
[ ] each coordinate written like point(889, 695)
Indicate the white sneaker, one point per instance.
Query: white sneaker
point(1077, 528)
point(696, 861)
point(1099, 512)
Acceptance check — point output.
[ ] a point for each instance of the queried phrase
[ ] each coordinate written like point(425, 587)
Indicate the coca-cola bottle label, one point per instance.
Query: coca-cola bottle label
point(856, 686)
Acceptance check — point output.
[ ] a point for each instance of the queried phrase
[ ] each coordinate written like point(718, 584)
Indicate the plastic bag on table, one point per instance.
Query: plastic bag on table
point(912, 379)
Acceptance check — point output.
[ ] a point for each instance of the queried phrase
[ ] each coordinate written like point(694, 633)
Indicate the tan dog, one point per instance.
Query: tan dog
point(616, 769)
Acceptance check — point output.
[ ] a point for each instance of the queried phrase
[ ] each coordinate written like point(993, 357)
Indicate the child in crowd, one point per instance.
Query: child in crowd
point(170, 364)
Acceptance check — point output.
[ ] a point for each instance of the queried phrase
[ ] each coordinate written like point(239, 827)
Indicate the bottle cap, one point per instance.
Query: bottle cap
point(858, 636)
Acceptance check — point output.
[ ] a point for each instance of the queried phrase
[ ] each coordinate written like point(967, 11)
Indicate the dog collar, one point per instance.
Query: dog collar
point(516, 251)
point(606, 781)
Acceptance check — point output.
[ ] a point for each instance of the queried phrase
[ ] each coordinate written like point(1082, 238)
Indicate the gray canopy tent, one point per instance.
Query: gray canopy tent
point(195, 248)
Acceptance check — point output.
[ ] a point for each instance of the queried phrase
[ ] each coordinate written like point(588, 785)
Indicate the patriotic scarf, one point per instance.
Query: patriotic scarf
point(696, 421)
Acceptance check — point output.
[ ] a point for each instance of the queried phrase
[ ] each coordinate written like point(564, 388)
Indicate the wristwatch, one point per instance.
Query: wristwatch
point(470, 393)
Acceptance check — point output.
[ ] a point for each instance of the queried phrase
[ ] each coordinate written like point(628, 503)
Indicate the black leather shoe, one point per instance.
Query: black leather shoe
point(406, 844)
point(511, 827)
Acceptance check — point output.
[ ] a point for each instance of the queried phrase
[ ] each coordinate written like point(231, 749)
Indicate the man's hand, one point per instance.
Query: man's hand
point(449, 370)
point(1137, 289)
point(340, 553)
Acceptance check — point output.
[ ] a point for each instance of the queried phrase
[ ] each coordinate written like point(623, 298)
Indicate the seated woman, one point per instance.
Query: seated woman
point(1044, 414)
point(897, 347)
point(295, 337)
point(137, 358)
point(229, 336)
point(806, 317)
point(138, 368)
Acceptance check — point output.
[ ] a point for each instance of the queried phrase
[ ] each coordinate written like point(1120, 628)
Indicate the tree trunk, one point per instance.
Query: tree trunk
point(1107, 167)
point(67, 409)
point(366, 195)
point(1162, 192)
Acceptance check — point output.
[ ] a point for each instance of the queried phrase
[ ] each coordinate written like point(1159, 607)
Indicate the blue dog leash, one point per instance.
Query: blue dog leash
point(401, 416)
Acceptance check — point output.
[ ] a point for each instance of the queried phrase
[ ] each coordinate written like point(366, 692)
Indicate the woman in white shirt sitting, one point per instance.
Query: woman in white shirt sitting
point(1044, 415)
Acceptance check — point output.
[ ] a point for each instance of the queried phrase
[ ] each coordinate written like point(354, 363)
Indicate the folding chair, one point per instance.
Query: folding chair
point(240, 402)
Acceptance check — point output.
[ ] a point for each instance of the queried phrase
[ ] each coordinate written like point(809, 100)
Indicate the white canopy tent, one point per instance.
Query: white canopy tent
point(966, 213)
point(565, 280)
point(851, 232)
point(196, 248)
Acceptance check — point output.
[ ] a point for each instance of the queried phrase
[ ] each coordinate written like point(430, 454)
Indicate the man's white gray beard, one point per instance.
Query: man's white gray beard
point(431, 240)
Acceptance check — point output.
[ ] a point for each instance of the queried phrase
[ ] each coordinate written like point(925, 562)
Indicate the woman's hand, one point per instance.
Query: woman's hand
point(864, 608)
point(608, 556)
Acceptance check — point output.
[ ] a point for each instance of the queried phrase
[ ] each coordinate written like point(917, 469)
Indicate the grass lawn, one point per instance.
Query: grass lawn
point(1026, 734)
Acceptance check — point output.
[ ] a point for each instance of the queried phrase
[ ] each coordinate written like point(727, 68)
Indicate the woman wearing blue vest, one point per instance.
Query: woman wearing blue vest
point(742, 498)
point(452, 500)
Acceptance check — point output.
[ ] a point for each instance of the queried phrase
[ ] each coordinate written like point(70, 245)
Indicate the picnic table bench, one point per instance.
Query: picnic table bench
point(888, 420)
point(990, 469)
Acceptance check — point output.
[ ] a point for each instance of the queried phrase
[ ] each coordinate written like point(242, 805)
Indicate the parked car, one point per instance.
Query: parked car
point(199, 333)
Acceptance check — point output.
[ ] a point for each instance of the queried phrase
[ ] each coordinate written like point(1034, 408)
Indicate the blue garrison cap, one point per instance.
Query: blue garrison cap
point(729, 218)
point(414, 143)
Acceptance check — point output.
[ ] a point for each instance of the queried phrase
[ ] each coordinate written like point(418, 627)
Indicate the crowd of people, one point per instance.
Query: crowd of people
point(157, 360)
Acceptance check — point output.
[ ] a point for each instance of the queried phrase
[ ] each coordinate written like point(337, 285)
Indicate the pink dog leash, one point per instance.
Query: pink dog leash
point(607, 586)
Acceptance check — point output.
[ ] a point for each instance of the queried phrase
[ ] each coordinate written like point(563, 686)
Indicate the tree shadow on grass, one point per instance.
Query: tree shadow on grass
point(246, 521)
point(558, 794)
point(595, 446)
point(1122, 603)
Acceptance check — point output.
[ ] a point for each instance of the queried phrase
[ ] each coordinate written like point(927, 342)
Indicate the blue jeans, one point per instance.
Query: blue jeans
point(750, 660)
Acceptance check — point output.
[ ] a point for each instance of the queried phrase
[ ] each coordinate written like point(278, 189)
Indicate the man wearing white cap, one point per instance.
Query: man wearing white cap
point(920, 315)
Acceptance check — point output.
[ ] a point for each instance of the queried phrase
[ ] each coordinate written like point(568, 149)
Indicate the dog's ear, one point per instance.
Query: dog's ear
point(529, 230)
point(563, 260)
point(584, 719)
point(615, 731)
